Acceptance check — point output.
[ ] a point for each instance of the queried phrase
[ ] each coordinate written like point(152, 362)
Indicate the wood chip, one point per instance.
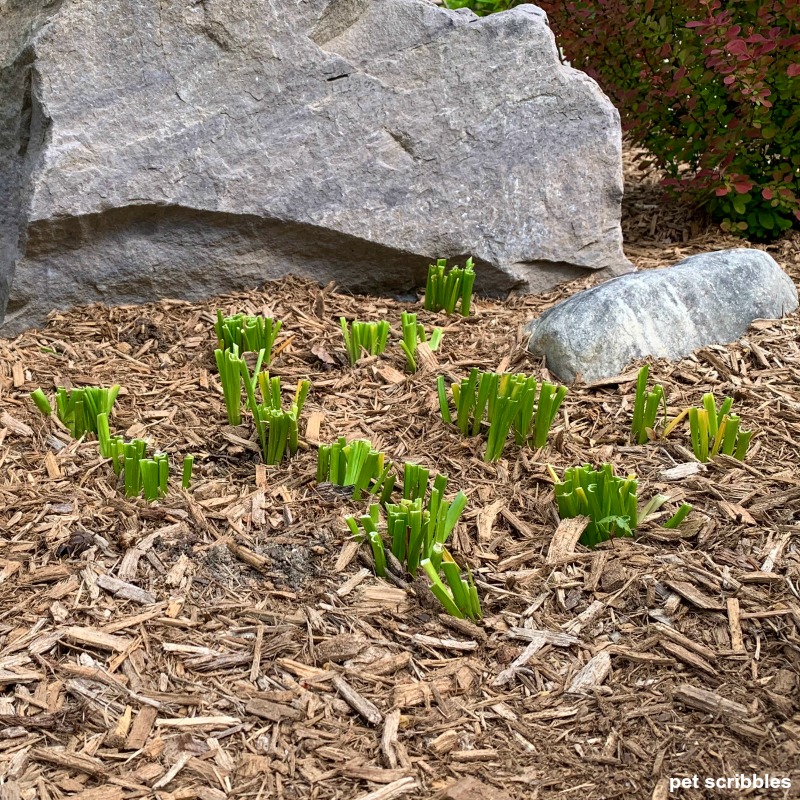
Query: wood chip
point(445, 644)
point(510, 672)
point(565, 538)
point(555, 638)
point(66, 760)
point(275, 712)
point(704, 700)
point(96, 638)
point(141, 728)
point(393, 790)
point(172, 772)
point(691, 593)
point(358, 703)
point(735, 626)
point(684, 641)
point(15, 425)
point(125, 590)
point(682, 471)
point(313, 426)
point(692, 659)
point(761, 577)
point(592, 675)
point(220, 721)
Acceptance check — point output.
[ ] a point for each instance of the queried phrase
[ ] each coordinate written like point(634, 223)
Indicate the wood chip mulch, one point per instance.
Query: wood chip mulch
point(231, 641)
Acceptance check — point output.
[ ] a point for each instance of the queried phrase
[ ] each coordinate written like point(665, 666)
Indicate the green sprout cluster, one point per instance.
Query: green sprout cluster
point(250, 334)
point(230, 366)
point(712, 429)
point(276, 426)
point(413, 336)
point(415, 481)
point(87, 410)
point(141, 475)
point(507, 401)
point(368, 336)
point(418, 530)
point(608, 500)
point(445, 289)
point(715, 430)
point(78, 409)
point(459, 597)
point(646, 405)
point(417, 533)
point(355, 464)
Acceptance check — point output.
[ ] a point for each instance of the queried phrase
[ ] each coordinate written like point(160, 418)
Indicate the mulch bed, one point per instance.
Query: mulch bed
point(231, 641)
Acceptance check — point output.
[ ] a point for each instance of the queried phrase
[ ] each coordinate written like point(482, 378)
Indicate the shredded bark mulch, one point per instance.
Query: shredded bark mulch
point(232, 641)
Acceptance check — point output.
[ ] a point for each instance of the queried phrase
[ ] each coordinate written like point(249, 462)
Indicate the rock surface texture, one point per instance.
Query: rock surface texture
point(152, 149)
point(706, 299)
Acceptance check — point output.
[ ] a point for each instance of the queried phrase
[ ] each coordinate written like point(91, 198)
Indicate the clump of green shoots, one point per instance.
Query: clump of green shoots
point(355, 464)
point(413, 336)
point(369, 523)
point(78, 409)
point(369, 336)
point(444, 290)
point(714, 430)
point(415, 481)
point(646, 406)
point(459, 597)
point(250, 334)
point(276, 426)
point(507, 401)
point(232, 370)
point(417, 530)
point(608, 500)
point(141, 475)
point(417, 535)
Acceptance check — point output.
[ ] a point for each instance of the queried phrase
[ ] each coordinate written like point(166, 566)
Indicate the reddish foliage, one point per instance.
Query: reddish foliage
point(711, 91)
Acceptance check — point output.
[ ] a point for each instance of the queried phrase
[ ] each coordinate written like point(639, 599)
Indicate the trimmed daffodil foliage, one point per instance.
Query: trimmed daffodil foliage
point(610, 502)
point(506, 402)
point(714, 430)
point(148, 476)
point(250, 334)
point(646, 407)
point(78, 409)
point(413, 336)
point(355, 464)
point(369, 337)
point(276, 426)
point(446, 289)
point(417, 532)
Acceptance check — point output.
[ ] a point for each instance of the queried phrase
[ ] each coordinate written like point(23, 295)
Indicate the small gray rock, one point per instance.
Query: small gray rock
point(707, 299)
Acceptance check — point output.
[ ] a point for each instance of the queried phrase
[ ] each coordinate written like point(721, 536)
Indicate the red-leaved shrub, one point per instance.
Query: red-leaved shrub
point(712, 92)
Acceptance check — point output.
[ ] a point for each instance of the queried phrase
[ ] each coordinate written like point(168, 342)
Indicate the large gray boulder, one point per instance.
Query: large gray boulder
point(152, 149)
point(706, 299)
